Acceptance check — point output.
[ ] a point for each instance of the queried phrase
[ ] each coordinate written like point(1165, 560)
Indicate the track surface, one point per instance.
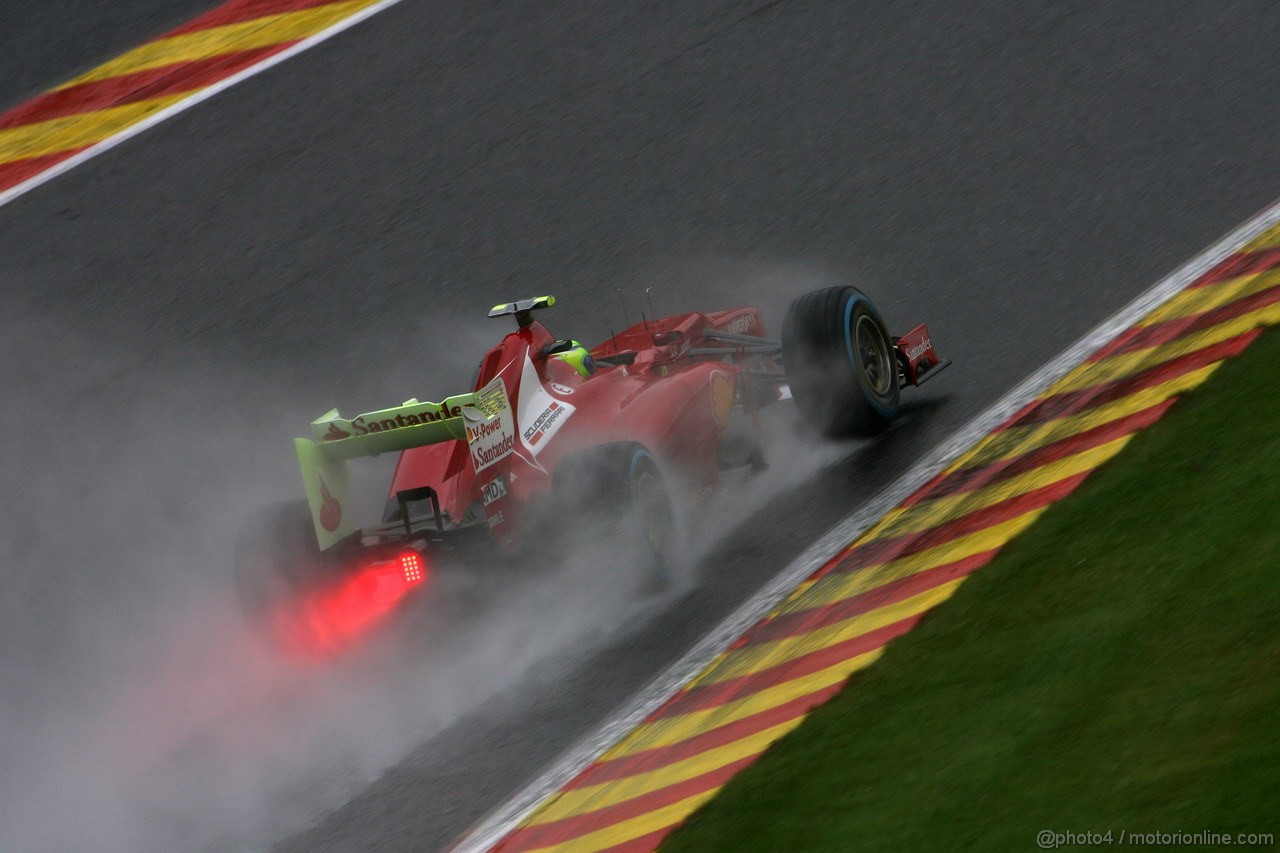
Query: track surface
point(1010, 172)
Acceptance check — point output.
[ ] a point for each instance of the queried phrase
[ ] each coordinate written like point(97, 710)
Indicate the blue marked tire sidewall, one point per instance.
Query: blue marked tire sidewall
point(658, 568)
point(855, 299)
point(640, 453)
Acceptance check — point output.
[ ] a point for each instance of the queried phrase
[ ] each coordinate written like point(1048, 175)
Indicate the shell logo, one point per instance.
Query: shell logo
point(723, 394)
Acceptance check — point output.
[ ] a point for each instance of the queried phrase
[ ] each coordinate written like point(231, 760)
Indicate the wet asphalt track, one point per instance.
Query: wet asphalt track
point(1010, 172)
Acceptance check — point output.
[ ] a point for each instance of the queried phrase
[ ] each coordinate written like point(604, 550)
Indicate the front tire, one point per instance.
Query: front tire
point(840, 362)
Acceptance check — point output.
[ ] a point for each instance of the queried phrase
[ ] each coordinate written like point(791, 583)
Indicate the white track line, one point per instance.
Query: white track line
point(507, 816)
point(187, 103)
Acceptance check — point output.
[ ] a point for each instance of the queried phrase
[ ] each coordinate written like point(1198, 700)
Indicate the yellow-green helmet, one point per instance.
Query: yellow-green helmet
point(579, 358)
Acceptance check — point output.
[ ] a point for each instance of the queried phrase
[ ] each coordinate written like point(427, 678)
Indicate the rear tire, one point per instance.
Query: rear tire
point(840, 362)
point(277, 561)
point(618, 492)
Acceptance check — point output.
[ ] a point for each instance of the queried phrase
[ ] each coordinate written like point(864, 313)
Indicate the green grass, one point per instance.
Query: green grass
point(1117, 667)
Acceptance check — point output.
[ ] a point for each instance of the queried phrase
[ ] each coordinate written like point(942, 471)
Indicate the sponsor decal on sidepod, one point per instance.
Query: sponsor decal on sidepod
point(540, 415)
point(546, 423)
point(493, 438)
point(494, 489)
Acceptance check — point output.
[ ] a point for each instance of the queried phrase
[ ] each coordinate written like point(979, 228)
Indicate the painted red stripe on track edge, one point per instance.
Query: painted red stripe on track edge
point(971, 479)
point(1240, 264)
point(880, 551)
point(703, 696)
point(239, 11)
point(1074, 402)
point(644, 761)
point(16, 171)
point(796, 622)
point(1028, 413)
point(128, 88)
point(568, 828)
point(1144, 337)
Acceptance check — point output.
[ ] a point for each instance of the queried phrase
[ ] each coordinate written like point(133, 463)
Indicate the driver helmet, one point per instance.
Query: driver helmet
point(579, 358)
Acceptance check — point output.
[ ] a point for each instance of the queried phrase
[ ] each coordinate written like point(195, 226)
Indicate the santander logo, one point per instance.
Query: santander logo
point(330, 510)
point(334, 433)
point(919, 349)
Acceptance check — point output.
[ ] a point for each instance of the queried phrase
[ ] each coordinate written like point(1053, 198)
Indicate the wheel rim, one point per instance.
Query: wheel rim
point(875, 362)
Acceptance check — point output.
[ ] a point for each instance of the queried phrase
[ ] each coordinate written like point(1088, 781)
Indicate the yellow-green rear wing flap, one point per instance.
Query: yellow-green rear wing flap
point(337, 440)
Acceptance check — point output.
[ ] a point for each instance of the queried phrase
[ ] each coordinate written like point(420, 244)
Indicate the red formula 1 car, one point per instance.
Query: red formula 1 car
point(552, 429)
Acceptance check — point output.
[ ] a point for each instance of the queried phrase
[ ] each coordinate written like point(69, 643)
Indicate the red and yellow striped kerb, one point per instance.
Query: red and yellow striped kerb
point(838, 621)
point(115, 96)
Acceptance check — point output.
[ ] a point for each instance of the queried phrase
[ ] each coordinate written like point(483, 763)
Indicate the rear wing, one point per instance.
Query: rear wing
point(337, 440)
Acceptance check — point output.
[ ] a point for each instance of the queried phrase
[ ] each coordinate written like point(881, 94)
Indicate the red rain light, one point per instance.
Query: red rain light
point(411, 564)
point(330, 619)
